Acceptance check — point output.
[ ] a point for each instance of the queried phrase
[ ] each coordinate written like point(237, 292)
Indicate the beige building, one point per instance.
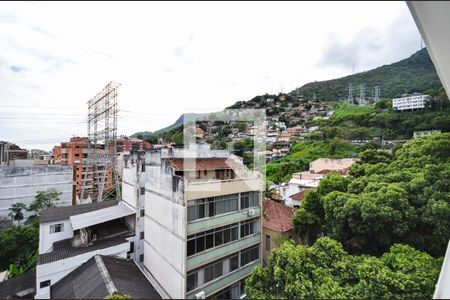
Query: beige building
point(277, 226)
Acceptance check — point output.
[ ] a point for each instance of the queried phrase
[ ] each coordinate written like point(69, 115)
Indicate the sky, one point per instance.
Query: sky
point(177, 57)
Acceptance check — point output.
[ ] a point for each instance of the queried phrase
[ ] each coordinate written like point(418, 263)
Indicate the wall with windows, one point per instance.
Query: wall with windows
point(203, 241)
point(48, 234)
point(213, 206)
point(220, 268)
point(272, 239)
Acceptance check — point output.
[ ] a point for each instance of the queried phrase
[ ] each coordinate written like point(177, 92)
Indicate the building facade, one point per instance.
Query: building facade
point(21, 184)
point(10, 151)
point(75, 153)
point(200, 218)
point(410, 103)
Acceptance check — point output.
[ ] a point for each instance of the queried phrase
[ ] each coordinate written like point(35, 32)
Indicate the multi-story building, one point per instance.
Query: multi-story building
point(199, 219)
point(21, 184)
point(75, 153)
point(10, 151)
point(410, 103)
point(129, 144)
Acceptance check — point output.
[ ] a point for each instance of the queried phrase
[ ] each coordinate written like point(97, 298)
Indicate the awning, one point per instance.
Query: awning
point(100, 216)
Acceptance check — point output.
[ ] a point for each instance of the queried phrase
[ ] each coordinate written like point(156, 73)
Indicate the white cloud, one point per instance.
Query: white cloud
point(170, 57)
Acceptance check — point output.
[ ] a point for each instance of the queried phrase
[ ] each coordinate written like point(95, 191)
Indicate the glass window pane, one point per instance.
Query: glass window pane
point(218, 269)
point(209, 241)
point(219, 207)
point(209, 273)
point(234, 263)
point(226, 236)
point(200, 244)
point(190, 247)
point(218, 238)
point(234, 233)
point(191, 281)
point(191, 213)
point(211, 207)
point(201, 211)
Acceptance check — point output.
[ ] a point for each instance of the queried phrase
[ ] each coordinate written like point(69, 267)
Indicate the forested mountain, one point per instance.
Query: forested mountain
point(413, 74)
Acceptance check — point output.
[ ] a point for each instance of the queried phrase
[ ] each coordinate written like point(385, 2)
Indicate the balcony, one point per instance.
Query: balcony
point(224, 281)
point(213, 254)
point(211, 188)
point(221, 220)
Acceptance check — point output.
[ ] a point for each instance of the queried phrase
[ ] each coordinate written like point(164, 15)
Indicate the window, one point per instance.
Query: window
point(249, 255)
point(56, 228)
point(142, 190)
point(131, 247)
point(213, 206)
point(267, 243)
point(249, 227)
point(141, 258)
point(44, 284)
point(212, 238)
point(142, 212)
point(142, 235)
point(205, 172)
point(143, 167)
point(192, 280)
point(234, 262)
point(249, 199)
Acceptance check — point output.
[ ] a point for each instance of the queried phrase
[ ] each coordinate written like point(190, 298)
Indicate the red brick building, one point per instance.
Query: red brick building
point(74, 153)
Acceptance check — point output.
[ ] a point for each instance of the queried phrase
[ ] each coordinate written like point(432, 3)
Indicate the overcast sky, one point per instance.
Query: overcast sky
point(172, 58)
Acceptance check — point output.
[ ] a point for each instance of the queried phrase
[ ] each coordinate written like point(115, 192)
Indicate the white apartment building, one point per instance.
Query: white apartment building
point(21, 184)
point(200, 211)
point(410, 103)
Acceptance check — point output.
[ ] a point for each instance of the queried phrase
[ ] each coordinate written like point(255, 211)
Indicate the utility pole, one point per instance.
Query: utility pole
point(376, 96)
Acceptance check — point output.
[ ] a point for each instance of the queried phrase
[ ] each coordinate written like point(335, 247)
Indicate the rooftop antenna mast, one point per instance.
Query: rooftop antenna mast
point(101, 168)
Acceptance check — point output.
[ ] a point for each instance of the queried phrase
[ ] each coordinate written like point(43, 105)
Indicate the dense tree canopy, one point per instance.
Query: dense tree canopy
point(386, 200)
point(325, 270)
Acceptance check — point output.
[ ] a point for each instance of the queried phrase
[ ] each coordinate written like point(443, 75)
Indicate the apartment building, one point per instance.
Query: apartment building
point(410, 103)
point(199, 218)
point(75, 153)
point(10, 151)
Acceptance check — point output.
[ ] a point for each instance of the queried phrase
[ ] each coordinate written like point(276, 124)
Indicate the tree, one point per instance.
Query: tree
point(16, 211)
point(326, 270)
point(17, 244)
point(43, 200)
point(402, 199)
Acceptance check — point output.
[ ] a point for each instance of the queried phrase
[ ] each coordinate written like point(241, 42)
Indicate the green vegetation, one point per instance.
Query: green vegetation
point(117, 296)
point(325, 270)
point(413, 74)
point(388, 199)
point(19, 244)
point(302, 154)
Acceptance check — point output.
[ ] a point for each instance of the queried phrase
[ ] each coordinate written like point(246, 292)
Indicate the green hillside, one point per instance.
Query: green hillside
point(413, 74)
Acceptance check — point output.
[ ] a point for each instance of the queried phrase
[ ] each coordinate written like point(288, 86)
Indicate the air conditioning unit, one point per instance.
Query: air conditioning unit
point(251, 212)
point(200, 295)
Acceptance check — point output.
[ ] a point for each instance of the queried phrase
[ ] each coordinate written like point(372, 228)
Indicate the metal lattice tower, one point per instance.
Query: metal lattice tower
point(362, 91)
point(376, 96)
point(101, 163)
point(350, 94)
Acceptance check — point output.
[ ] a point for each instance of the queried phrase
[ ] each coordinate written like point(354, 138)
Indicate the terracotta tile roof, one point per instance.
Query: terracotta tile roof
point(298, 196)
point(277, 217)
point(179, 164)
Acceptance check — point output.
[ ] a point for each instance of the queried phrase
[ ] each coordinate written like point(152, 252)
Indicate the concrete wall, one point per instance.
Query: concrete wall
point(165, 221)
point(22, 184)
